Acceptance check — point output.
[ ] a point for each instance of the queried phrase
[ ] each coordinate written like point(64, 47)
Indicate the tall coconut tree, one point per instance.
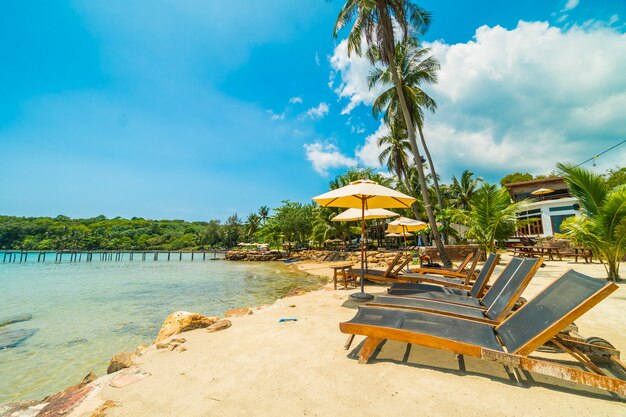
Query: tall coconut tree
point(374, 23)
point(417, 67)
point(394, 149)
point(602, 226)
point(264, 213)
point(462, 190)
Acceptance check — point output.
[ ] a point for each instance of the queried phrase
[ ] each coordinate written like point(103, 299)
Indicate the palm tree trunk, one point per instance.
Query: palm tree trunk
point(389, 50)
point(435, 180)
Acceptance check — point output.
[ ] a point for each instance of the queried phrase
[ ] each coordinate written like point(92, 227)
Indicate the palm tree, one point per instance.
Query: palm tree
point(264, 213)
point(416, 67)
point(394, 147)
point(463, 190)
point(492, 216)
point(252, 224)
point(602, 227)
point(374, 22)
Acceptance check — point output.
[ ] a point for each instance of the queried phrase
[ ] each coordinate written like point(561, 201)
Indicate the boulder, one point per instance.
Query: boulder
point(222, 324)
point(237, 312)
point(120, 361)
point(183, 321)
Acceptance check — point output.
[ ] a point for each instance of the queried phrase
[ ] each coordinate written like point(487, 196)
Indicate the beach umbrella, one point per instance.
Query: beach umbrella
point(404, 225)
point(354, 214)
point(364, 194)
point(542, 191)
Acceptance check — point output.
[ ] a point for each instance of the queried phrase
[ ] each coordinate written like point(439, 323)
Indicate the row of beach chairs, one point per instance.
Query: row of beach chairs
point(455, 310)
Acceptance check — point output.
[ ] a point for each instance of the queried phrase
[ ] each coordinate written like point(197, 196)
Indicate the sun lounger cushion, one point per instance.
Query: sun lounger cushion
point(430, 324)
point(399, 302)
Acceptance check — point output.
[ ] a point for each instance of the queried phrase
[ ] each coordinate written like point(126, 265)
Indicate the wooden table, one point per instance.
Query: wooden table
point(532, 251)
point(343, 267)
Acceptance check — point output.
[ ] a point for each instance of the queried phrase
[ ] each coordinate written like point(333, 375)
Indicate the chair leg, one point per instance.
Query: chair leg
point(370, 345)
point(349, 342)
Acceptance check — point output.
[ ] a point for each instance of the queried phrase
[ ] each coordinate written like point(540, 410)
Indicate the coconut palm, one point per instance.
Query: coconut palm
point(394, 147)
point(492, 216)
point(462, 191)
point(602, 226)
point(417, 67)
point(252, 224)
point(264, 213)
point(374, 22)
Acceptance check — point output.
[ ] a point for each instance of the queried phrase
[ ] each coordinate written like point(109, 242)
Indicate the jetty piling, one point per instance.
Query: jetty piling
point(22, 256)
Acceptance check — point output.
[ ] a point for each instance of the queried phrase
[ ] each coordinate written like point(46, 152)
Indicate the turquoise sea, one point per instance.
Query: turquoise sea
point(83, 313)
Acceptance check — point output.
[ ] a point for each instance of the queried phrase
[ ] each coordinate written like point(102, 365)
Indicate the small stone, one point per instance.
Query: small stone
point(222, 324)
point(120, 361)
point(141, 349)
point(180, 349)
point(292, 306)
point(237, 312)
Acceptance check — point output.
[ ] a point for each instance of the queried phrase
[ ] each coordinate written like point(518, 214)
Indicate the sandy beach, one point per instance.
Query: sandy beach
point(265, 368)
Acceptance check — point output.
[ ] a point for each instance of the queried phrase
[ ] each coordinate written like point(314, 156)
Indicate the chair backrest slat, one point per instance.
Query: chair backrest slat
point(506, 299)
point(472, 268)
point(463, 264)
point(500, 282)
point(485, 273)
point(551, 310)
point(392, 264)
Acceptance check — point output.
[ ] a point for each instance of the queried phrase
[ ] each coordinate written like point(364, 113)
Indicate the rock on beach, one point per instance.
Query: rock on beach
point(183, 321)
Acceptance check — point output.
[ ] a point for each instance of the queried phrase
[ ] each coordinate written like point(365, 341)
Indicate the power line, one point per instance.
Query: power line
point(601, 153)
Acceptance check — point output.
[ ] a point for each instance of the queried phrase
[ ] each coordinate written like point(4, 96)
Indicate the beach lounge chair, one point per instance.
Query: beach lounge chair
point(475, 290)
point(493, 309)
point(490, 295)
point(510, 342)
point(388, 275)
point(458, 272)
point(452, 279)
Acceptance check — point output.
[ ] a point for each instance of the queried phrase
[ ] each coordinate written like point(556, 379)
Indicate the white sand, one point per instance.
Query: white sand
point(260, 367)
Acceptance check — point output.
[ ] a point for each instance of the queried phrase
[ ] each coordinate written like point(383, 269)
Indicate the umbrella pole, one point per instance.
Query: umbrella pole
point(362, 295)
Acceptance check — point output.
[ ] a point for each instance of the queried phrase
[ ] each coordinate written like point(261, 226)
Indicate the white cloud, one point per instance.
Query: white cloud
point(295, 100)
point(571, 4)
point(353, 72)
point(317, 112)
point(519, 99)
point(368, 153)
point(276, 116)
point(317, 59)
point(324, 156)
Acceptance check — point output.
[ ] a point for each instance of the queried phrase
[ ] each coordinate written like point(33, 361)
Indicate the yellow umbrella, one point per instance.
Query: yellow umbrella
point(354, 214)
point(404, 224)
point(542, 191)
point(364, 194)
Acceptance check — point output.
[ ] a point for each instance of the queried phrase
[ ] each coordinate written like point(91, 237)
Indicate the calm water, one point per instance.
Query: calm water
point(84, 313)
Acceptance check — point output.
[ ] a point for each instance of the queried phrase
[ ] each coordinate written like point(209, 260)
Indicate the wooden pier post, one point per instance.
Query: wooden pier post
point(192, 255)
point(204, 255)
point(168, 255)
point(156, 256)
point(180, 257)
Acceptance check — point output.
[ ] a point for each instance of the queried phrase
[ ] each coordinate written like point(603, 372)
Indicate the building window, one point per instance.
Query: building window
point(533, 227)
point(556, 222)
point(562, 208)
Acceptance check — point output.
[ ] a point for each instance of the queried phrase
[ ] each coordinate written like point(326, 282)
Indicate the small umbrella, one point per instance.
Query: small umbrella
point(353, 214)
point(364, 194)
point(542, 191)
point(404, 225)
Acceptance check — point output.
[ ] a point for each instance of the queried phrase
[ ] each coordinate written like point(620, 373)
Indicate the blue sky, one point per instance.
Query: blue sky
point(199, 109)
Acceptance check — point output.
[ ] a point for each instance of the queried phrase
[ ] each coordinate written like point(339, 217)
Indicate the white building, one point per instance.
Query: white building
point(552, 203)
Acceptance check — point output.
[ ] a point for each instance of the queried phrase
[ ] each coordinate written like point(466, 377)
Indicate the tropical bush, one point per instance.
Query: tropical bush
point(492, 217)
point(602, 226)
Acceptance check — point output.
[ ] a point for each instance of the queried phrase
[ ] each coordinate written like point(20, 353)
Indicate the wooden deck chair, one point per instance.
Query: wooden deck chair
point(387, 275)
point(476, 290)
point(510, 342)
point(495, 308)
point(444, 271)
point(462, 279)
